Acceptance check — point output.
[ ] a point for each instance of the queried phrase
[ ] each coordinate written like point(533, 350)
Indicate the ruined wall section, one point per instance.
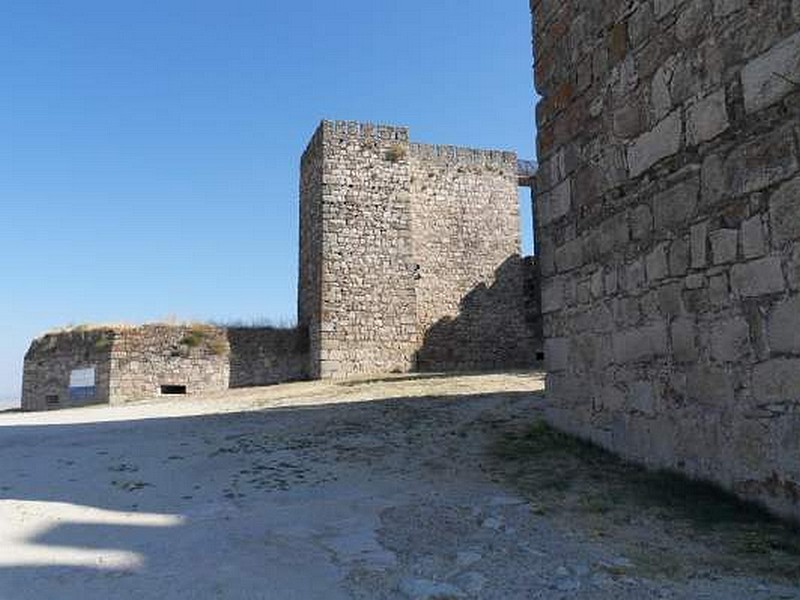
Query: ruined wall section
point(143, 359)
point(266, 356)
point(668, 215)
point(469, 275)
point(52, 358)
point(367, 321)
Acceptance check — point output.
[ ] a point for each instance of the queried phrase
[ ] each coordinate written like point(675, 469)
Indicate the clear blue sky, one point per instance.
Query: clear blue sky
point(149, 150)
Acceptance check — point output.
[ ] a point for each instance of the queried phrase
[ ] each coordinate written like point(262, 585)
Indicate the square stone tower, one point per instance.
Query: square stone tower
point(409, 255)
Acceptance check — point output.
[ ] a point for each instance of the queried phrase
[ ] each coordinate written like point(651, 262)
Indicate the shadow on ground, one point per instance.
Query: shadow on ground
point(227, 505)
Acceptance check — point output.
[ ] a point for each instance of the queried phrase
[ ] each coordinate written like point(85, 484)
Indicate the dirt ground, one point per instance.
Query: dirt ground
point(407, 487)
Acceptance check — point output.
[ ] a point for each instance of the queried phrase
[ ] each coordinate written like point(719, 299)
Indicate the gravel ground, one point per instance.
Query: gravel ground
point(370, 489)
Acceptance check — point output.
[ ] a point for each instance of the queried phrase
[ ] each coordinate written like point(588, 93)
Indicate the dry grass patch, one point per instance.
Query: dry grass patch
point(668, 525)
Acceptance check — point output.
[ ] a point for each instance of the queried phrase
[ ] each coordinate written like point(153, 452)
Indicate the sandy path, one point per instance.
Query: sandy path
point(359, 490)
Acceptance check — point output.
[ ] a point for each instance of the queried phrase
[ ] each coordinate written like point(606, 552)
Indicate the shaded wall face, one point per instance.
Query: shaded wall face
point(145, 359)
point(668, 215)
point(267, 356)
point(470, 284)
point(49, 366)
point(309, 296)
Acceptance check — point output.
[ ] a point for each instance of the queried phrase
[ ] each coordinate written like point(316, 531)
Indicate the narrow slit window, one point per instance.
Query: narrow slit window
point(173, 390)
point(526, 221)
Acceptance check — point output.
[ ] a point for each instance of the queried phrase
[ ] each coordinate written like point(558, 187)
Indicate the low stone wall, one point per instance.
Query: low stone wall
point(668, 217)
point(265, 356)
point(50, 362)
point(153, 360)
point(126, 364)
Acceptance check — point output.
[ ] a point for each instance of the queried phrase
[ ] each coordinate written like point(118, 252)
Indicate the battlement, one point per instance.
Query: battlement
point(464, 156)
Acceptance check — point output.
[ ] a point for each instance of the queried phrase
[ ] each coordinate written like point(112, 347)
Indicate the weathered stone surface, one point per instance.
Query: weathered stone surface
point(640, 344)
point(724, 244)
point(777, 381)
point(723, 8)
point(784, 213)
point(784, 326)
point(699, 236)
point(769, 77)
point(709, 386)
point(684, 340)
point(753, 238)
point(129, 363)
point(662, 141)
point(757, 277)
point(713, 251)
point(730, 340)
point(556, 354)
point(678, 258)
point(656, 264)
point(706, 118)
point(677, 204)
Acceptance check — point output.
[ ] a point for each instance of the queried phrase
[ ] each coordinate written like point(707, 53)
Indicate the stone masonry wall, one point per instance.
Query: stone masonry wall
point(265, 356)
point(466, 241)
point(668, 216)
point(419, 254)
point(309, 285)
point(366, 319)
point(145, 358)
point(51, 359)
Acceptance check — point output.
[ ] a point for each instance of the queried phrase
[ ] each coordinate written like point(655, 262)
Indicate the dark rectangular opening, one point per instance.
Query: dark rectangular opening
point(51, 399)
point(173, 390)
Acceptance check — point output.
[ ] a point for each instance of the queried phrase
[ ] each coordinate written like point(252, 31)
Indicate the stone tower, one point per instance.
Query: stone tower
point(409, 255)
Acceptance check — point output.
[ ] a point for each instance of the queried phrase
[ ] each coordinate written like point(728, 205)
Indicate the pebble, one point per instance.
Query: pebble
point(425, 589)
point(472, 582)
point(467, 558)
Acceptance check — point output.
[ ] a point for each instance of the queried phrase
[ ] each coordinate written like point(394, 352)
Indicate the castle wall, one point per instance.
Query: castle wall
point(143, 359)
point(466, 240)
point(265, 356)
point(50, 361)
point(366, 321)
point(668, 215)
point(418, 251)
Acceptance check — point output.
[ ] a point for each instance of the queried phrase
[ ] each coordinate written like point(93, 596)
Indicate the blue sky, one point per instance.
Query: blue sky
point(149, 150)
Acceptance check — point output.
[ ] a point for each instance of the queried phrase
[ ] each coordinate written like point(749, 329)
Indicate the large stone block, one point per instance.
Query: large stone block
point(710, 386)
point(730, 339)
point(552, 294)
point(777, 381)
point(724, 244)
point(640, 344)
point(759, 163)
point(769, 77)
point(684, 340)
point(674, 207)
point(783, 327)
point(656, 264)
point(784, 213)
point(706, 118)
point(753, 238)
point(660, 142)
point(556, 354)
point(757, 277)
